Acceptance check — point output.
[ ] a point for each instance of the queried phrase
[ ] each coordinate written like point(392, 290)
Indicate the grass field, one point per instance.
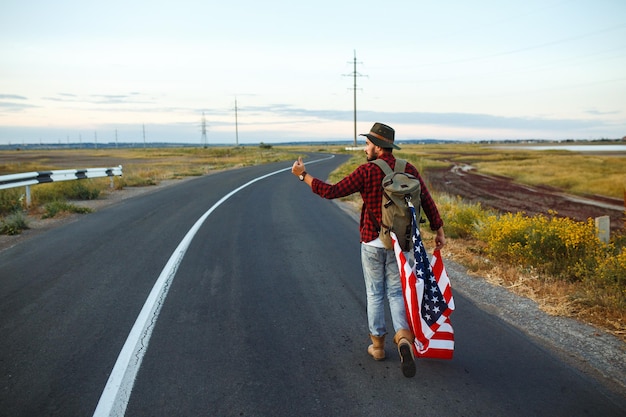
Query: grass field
point(602, 173)
point(578, 173)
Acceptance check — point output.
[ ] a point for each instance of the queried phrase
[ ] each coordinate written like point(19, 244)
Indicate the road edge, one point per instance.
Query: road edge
point(590, 350)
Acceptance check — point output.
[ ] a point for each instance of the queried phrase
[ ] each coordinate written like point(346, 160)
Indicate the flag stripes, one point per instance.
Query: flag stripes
point(428, 298)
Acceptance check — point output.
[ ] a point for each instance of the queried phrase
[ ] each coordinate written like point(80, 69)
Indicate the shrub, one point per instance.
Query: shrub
point(556, 249)
point(71, 190)
point(13, 224)
point(460, 218)
point(11, 201)
point(55, 207)
point(556, 246)
point(608, 285)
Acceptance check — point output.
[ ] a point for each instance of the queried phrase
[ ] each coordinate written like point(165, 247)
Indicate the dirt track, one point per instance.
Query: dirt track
point(504, 195)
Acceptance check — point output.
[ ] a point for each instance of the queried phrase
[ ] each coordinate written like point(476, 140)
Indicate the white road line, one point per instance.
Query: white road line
point(116, 393)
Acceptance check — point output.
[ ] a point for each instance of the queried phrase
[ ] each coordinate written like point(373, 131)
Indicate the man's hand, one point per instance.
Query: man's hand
point(440, 239)
point(298, 167)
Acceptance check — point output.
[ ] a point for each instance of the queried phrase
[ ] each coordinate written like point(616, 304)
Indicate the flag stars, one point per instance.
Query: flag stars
point(432, 307)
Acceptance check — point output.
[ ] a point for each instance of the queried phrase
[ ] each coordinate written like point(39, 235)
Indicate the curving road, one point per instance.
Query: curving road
point(263, 314)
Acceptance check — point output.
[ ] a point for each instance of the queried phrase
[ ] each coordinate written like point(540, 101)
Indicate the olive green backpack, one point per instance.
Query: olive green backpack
point(399, 188)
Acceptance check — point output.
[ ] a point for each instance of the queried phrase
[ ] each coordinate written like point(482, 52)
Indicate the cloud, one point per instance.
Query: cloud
point(117, 98)
point(11, 97)
point(451, 120)
point(284, 122)
point(128, 98)
point(602, 113)
point(8, 104)
point(477, 120)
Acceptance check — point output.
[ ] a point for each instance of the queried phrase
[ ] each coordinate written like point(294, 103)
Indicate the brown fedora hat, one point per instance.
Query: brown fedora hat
point(381, 135)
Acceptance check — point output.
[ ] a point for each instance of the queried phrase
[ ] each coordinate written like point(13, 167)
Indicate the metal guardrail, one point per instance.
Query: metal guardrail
point(27, 179)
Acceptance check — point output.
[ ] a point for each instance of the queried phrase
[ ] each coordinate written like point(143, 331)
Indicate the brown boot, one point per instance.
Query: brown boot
point(404, 339)
point(377, 348)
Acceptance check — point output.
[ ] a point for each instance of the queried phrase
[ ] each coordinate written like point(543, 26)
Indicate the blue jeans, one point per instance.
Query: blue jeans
point(382, 277)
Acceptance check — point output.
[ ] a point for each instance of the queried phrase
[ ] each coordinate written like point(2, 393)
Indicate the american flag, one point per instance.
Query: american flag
point(427, 298)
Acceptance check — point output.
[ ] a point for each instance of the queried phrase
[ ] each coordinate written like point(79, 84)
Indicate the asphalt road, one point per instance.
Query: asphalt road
point(263, 315)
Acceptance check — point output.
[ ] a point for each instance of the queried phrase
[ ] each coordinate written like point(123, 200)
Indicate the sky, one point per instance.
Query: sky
point(277, 71)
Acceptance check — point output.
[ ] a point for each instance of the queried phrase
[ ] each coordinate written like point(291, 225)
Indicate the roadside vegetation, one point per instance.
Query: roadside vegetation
point(558, 262)
point(141, 167)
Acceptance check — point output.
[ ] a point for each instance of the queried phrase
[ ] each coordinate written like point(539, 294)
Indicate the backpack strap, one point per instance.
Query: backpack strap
point(399, 167)
point(383, 165)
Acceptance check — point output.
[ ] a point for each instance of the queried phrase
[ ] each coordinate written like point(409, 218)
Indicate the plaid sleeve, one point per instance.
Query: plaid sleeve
point(349, 185)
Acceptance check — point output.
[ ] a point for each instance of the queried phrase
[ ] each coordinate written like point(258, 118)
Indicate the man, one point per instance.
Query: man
point(380, 268)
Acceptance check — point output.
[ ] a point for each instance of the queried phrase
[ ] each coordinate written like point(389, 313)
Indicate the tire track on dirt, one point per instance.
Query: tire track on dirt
point(505, 195)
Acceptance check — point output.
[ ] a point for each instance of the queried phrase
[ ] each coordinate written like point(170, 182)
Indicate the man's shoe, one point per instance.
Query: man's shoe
point(404, 339)
point(406, 359)
point(377, 348)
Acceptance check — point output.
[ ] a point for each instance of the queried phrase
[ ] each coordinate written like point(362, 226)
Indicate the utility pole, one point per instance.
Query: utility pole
point(236, 126)
point(144, 135)
point(204, 139)
point(354, 75)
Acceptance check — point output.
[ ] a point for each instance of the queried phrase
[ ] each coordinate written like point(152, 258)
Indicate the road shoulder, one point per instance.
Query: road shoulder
point(591, 350)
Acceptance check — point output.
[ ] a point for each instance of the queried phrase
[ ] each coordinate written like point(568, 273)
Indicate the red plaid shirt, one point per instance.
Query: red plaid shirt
point(366, 179)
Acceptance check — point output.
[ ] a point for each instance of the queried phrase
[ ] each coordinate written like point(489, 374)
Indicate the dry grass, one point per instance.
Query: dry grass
point(596, 173)
point(141, 166)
